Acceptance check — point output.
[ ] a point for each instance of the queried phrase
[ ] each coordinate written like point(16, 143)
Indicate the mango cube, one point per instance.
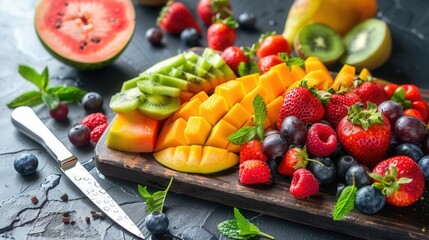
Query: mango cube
point(247, 101)
point(284, 74)
point(197, 130)
point(271, 81)
point(188, 109)
point(249, 81)
point(273, 109)
point(219, 134)
point(171, 135)
point(232, 91)
point(237, 116)
point(213, 109)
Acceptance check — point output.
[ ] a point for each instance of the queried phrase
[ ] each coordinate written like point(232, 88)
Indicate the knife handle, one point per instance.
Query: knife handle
point(26, 121)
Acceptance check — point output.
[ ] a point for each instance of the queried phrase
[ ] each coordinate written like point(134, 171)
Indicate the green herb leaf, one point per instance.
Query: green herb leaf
point(260, 132)
point(230, 229)
point(30, 99)
point(45, 79)
point(345, 203)
point(155, 201)
point(260, 110)
point(51, 100)
point(242, 135)
point(32, 76)
point(68, 94)
point(290, 61)
point(246, 228)
point(243, 69)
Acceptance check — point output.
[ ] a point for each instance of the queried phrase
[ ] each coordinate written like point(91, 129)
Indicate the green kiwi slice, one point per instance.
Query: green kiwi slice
point(170, 81)
point(159, 106)
point(319, 40)
point(156, 88)
point(126, 101)
point(368, 44)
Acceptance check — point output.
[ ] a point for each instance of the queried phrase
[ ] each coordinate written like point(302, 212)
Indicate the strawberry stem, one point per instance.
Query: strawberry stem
point(364, 117)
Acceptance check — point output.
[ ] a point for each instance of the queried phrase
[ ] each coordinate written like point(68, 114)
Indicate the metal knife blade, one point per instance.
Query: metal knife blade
point(26, 120)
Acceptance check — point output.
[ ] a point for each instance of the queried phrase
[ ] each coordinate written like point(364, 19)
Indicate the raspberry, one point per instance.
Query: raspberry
point(321, 140)
point(303, 184)
point(93, 120)
point(98, 131)
point(252, 150)
point(254, 172)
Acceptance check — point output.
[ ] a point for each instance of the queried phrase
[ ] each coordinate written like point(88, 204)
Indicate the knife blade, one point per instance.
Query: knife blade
point(26, 120)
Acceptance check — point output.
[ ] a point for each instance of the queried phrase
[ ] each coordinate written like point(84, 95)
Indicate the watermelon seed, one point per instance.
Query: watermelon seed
point(66, 4)
point(84, 20)
point(83, 45)
point(112, 19)
point(58, 24)
point(95, 39)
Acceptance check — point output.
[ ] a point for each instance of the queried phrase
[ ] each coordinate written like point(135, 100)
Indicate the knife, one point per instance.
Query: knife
point(26, 120)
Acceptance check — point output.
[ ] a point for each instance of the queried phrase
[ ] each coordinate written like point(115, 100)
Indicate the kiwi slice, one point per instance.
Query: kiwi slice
point(170, 81)
point(156, 88)
point(319, 40)
point(126, 101)
point(368, 44)
point(159, 106)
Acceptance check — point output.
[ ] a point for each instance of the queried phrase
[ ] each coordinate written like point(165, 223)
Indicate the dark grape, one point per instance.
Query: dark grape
point(360, 174)
point(60, 113)
point(247, 21)
point(394, 142)
point(411, 150)
point(92, 102)
point(424, 166)
point(294, 131)
point(157, 222)
point(410, 129)
point(425, 145)
point(190, 37)
point(343, 164)
point(274, 146)
point(79, 135)
point(323, 169)
point(369, 200)
point(267, 133)
point(26, 164)
point(391, 110)
point(154, 35)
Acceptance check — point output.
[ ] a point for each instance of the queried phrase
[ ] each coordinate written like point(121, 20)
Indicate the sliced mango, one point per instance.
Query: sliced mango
point(219, 134)
point(185, 96)
point(232, 91)
point(364, 74)
point(297, 73)
point(273, 109)
point(213, 109)
point(249, 81)
point(188, 109)
point(237, 116)
point(201, 95)
point(171, 135)
point(218, 159)
point(319, 79)
point(344, 78)
point(272, 82)
point(197, 130)
point(284, 74)
point(247, 101)
point(233, 148)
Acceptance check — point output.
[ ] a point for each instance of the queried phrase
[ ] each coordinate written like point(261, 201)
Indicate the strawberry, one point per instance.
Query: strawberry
point(208, 9)
point(93, 120)
point(269, 61)
point(336, 108)
point(294, 159)
point(302, 103)
point(321, 140)
point(221, 34)
point(233, 56)
point(365, 134)
point(303, 184)
point(254, 172)
point(252, 150)
point(371, 91)
point(400, 179)
point(97, 132)
point(176, 17)
point(272, 45)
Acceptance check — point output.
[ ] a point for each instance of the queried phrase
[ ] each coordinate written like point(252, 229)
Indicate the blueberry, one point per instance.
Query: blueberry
point(154, 36)
point(369, 200)
point(190, 37)
point(343, 164)
point(339, 152)
point(424, 166)
point(157, 222)
point(92, 102)
point(79, 135)
point(340, 188)
point(360, 173)
point(274, 146)
point(26, 164)
point(323, 169)
point(247, 21)
point(411, 150)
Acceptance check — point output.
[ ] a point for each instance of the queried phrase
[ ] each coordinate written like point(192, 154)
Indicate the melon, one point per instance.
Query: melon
point(86, 34)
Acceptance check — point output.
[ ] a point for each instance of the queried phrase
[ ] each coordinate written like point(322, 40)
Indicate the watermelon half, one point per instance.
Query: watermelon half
point(86, 34)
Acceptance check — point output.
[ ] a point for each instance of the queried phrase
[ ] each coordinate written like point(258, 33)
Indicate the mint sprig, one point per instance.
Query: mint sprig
point(155, 201)
point(346, 202)
point(50, 96)
point(240, 228)
point(247, 133)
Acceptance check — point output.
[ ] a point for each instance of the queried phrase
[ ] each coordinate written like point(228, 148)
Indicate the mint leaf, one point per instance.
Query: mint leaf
point(290, 61)
point(230, 229)
point(260, 110)
point(45, 79)
point(246, 228)
point(345, 203)
point(155, 201)
point(242, 135)
point(51, 100)
point(260, 132)
point(31, 99)
point(68, 94)
point(32, 76)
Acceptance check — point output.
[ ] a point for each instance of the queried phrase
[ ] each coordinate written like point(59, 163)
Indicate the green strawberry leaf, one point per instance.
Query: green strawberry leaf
point(30, 99)
point(31, 75)
point(243, 69)
point(155, 201)
point(68, 94)
point(345, 203)
point(242, 135)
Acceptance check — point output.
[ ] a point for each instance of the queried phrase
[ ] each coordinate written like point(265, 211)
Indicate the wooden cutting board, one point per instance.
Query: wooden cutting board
point(390, 223)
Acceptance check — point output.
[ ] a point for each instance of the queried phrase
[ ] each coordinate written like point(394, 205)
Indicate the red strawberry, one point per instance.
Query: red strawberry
point(97, 132)
point(294, 159)
point(303, 184)
point(272, 45)
point(336, 108)
point(233, 56)
point(252, 150)
point(302, 103)
point(370, 91)
point(175, 17)
point(208, 9)
point(221, 34)
point(93, 120)
point(365, 134)
point(267, 62)
point(321, 140)
point(400, 179)
point(254, 172)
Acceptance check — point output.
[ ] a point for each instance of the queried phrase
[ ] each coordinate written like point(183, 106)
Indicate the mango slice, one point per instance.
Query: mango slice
point(188, 109)
point(197, 130)
point(232, 91)
point(249, 81)
point(172, 135)
point(237, 116)
point(219, 134)
point(213, 109)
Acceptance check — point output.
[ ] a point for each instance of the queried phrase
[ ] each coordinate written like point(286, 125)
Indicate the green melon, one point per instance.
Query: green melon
point(86, 34)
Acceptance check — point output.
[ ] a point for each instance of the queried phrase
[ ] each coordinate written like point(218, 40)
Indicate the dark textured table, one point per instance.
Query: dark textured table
point(190, 218)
